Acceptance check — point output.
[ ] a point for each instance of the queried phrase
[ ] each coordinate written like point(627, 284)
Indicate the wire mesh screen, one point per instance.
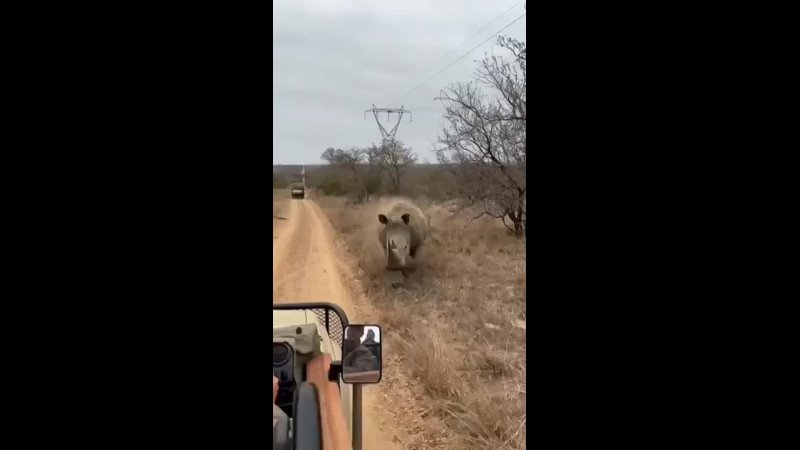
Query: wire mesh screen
point(332, 322)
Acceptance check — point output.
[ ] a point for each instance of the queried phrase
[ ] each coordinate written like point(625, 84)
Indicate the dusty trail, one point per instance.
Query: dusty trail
point(306, 268)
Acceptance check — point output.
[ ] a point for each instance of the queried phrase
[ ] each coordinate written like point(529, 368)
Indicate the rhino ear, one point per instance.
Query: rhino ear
point(382, 219)
point(405, 218)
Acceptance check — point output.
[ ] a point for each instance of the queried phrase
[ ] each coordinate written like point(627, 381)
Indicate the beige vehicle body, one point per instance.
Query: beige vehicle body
point(287, 318)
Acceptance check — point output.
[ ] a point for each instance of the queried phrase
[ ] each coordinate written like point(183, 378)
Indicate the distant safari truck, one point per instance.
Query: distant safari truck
point(298, 191)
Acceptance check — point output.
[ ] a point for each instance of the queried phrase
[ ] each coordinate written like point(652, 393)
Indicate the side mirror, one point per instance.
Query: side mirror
point(361, 354)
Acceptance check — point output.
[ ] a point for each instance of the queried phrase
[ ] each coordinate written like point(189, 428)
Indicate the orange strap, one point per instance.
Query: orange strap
point(335, 435)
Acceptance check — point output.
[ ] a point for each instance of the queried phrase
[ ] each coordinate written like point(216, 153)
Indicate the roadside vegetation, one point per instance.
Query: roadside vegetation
point(460, 321)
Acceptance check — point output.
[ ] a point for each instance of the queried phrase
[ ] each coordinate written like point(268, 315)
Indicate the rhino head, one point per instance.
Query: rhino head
point(398, 239)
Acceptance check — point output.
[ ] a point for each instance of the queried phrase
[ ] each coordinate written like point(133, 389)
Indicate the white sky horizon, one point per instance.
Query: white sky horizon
point(332, 59)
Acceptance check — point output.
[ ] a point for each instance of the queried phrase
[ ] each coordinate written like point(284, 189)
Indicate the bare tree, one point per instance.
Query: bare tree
point(349, 159)
point(374, 158)
point(393, 157)
point(358, 162)
point(331, 155)
point(484, 139)
point(367, 165)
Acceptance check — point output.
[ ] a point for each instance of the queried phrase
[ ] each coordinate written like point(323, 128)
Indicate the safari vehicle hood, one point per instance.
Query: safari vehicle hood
point(292, 317)
point(304, 319)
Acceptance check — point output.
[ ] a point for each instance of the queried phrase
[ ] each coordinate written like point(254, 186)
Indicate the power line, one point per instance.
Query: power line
point(462, 56)
point(485, 26)
point(489, 23)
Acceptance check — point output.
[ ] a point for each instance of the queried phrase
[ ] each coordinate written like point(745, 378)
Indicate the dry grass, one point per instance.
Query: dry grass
point(460, 320)
point(279, 201)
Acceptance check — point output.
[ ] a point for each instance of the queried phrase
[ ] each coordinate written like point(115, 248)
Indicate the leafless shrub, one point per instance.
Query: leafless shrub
point(362, 178)
point(365, 167)
point(484, 141)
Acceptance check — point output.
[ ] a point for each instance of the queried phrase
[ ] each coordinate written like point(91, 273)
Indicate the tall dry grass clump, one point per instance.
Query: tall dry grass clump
point(279, 200)
point(460, 321)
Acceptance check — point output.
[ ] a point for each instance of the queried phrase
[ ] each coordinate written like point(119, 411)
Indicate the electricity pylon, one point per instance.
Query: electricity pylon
point(388, 135)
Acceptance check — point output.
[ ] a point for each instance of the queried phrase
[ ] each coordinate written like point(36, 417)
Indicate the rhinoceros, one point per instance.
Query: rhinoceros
point(402, 234)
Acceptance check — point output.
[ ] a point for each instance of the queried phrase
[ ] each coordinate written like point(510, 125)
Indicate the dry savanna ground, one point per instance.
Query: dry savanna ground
point(459, 325)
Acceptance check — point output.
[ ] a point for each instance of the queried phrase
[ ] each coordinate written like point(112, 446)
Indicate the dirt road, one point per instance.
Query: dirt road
point(304, 264)
point(306, 268)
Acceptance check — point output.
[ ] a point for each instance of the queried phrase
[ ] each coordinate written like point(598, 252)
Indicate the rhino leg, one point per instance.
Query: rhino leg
point(396, 279)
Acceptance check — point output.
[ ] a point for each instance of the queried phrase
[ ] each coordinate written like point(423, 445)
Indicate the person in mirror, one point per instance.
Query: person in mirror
point(357, 357)
point(373, 346)
point(370, 340)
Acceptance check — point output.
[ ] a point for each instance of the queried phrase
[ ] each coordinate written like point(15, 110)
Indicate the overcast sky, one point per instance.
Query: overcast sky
point(332, 59)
